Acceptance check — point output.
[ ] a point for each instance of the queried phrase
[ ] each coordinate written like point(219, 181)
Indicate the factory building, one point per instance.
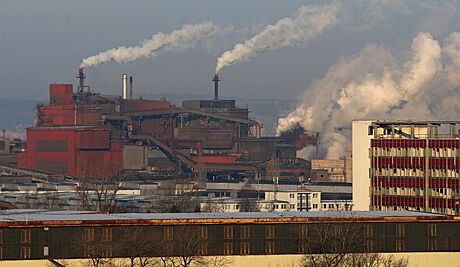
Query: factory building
point(38, 235)
point(83, 133)
point(406, 165)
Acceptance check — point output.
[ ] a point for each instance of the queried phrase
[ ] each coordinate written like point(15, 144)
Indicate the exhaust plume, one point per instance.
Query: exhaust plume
point(180, 39)
point(371, 84)
point(306, 24)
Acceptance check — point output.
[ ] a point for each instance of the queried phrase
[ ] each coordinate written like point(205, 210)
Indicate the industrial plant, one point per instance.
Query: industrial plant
point(82, 133)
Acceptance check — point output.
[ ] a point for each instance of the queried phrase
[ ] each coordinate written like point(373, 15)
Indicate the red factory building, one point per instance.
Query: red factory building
point(72, 150)
point(84, 133)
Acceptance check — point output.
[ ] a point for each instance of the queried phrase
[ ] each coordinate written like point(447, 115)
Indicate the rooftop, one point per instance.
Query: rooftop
point(43, 217)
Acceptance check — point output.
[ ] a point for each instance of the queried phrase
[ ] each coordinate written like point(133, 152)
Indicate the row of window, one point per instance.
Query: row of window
point(415, 152)
point(414, 172)
point(416, 191)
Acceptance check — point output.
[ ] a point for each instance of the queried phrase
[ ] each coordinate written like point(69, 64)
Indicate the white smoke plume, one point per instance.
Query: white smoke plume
point(306, 24)
point(180, 39)
point(371, 84)
point(452, 50)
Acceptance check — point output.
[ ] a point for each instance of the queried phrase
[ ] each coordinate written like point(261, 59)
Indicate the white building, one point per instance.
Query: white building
point(277, 201)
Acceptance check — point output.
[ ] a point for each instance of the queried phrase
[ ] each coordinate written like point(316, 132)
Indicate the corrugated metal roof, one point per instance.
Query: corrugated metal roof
point(42, 215)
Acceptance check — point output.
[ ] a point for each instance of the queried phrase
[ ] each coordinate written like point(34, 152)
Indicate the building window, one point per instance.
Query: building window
point(432, 245)
point(336, 231)
point(168, 233)
point(107, 252)
point(169, 248)
point(245, 248)
point(89, 234)
point(107, 234)
point(270, 231)
point(432, 229)
point(399, 245)
point(88, 251)
point(228, 248)
point(203, 233)
point(203, 248)
point(270, 248)
point(315, 195)
point(25, 252)
point(303, 231)
point(368, 231)
point(315, 206)
point(244, 232)
point(25, 237)
point(228, 232)
point(400, 230)
point(303, 246)
point(291, 195)
point(369, 246)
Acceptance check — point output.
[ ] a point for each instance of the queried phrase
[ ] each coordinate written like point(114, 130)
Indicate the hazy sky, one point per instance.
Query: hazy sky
point(43, 42)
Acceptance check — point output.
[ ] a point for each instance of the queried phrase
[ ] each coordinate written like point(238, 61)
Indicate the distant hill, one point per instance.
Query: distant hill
point(16, 112)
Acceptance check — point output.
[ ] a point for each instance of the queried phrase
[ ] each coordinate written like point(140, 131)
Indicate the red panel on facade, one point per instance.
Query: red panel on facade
point(434, 143)
point(61, 94)
point(93, 139)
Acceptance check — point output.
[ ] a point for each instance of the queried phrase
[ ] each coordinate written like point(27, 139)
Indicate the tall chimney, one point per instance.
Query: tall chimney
point(124, 85)
point(81, 76)
point(130, 87)
point(216, 81)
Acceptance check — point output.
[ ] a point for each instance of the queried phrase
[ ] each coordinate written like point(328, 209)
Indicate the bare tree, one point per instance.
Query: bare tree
point(139, 245)
point(188, 247)
point(174, 199)
point(339, 245)
point(99, 193)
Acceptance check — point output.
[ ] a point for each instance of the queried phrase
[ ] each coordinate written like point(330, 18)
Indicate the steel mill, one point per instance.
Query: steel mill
point(83, 133)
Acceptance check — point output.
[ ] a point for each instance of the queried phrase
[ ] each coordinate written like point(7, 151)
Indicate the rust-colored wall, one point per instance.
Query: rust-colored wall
point(61, 94)
point(89, 152)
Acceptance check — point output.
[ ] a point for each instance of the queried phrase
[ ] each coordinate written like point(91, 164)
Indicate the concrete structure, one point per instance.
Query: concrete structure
point(361, 142)
point(38, 235)
point(406, 165)
point(331, 170)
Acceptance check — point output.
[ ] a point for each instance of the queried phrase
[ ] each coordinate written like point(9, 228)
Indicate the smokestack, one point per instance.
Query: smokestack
point(216, 81)
point(81, 76)
point(124, 85)
point(130, 87)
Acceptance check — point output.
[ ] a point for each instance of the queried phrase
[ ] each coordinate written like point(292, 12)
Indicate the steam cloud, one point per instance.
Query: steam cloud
point(180, 39)
point(373, 84)
point(306, 24)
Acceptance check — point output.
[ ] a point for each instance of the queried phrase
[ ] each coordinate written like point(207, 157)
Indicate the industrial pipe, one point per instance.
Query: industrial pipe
point(216, 86)
point(124, 85)
point(81, 77)
point(130, 87)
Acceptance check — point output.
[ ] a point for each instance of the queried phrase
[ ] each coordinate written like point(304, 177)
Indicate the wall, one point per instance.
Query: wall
point(361, 142)
point(445, 259)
